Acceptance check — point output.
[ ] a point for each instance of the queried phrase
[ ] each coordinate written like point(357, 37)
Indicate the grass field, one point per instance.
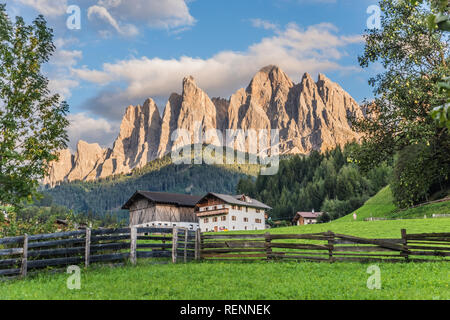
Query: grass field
point(381, 206)
point(373, 229)
point(230, 281)
point(265, 280)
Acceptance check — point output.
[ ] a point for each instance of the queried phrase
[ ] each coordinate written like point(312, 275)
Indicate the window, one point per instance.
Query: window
point(245, 227)
point(206, 220)
point(215, 219)
point(246, 209)
point(245, 219)
point(234, 227)
point(258, 220)
point(224, 218)
point(233, 207)
point(233, 218)
point(258, 210)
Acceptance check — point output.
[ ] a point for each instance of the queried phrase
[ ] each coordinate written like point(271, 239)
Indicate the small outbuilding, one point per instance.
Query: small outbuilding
point(161, 209)
point(303, 218)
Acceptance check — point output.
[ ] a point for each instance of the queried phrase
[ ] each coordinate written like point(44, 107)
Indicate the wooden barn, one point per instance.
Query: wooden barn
point(153, 209)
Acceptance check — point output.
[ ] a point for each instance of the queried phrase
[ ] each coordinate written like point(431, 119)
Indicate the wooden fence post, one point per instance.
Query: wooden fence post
point(405, 245)
point(186, 238)
point(24, 266)
point(174, 244)
point(87, 254)
point(133, 244)
point(198, 236)
point(267, 245)
point(331, 246)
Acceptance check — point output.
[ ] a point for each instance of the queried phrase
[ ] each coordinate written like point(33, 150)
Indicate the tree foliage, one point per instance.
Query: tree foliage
point(104, 197)
point(326, 182)
point(415, 60)
point(439, 20)
point(32, 120)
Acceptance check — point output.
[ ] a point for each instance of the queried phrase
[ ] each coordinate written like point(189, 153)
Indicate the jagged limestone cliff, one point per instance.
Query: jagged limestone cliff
point(309, 115)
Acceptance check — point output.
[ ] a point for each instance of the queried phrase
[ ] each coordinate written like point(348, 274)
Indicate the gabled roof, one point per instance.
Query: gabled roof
point(309, 215)
point(230, 199)
point(178, 199)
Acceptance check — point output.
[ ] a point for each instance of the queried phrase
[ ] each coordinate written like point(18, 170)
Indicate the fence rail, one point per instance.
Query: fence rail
point(325, 246)
point(18, 255)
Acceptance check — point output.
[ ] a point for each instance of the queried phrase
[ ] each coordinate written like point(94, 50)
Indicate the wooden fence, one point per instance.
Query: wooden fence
point(325, 246)
point(185, 245)
point(19, 255)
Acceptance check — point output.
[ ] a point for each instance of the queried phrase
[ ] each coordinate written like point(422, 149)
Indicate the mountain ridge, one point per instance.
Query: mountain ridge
point(310, 115)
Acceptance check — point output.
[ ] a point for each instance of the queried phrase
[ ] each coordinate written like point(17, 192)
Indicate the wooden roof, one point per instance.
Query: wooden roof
point(178, 199)
point(309, 215)
point(253, 203)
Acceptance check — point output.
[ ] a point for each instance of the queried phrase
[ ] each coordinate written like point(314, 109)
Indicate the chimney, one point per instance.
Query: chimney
point(313, 210)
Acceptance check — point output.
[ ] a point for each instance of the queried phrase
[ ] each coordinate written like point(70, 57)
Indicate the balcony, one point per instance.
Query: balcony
point(209, 213)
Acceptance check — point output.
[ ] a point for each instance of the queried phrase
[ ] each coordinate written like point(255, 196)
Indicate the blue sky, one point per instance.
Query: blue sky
point(129, 50)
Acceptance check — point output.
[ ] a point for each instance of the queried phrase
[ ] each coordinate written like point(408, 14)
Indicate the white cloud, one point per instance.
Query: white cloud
point(315, 49)
point(103, 14)
point(66, 58)
point(259, 23)
point(62, 86)
point(84, 127)
point(124, 15)
point(47, 7)
point(59, 69)
point(155, 13)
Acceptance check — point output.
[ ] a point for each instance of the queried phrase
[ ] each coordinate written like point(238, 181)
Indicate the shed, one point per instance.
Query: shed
point(302, 218)
point(162, 209)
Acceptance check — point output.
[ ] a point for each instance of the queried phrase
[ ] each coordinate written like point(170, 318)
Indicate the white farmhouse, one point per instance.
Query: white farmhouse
point(221, 212)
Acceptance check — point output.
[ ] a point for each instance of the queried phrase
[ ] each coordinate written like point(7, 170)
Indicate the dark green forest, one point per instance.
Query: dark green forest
point(99, 198)
point(329, 182)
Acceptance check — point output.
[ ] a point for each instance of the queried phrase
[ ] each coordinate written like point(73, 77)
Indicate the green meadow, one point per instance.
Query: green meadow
point(229, 281)
point(256, 280)
point(381, 206)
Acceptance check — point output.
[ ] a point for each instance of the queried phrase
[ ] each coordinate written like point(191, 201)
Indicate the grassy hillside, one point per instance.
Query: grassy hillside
point(369, 229)
point(381, 206)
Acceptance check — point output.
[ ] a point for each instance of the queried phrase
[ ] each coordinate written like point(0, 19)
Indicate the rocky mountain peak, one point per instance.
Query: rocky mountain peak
point(268, 78)
point(189, 84)
point(323, 78)
point(309, 116)
point(307, 80)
